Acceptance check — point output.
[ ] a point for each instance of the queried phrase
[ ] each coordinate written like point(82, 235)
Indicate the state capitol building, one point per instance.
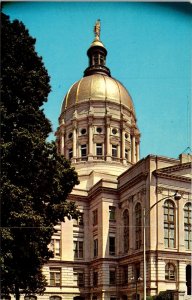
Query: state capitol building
point(114, 251)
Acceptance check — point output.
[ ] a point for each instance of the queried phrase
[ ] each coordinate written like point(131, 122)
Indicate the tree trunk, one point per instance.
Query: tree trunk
point(17, 294)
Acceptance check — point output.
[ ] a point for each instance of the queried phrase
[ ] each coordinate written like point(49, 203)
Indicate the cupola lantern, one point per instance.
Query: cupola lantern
point(97, 55)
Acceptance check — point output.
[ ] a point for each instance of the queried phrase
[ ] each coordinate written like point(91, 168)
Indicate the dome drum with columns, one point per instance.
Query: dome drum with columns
point(97, 121)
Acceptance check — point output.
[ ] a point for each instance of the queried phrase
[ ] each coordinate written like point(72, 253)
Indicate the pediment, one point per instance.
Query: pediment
point(181, 172)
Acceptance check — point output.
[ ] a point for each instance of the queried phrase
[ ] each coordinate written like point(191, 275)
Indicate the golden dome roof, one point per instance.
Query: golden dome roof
point(97, 87)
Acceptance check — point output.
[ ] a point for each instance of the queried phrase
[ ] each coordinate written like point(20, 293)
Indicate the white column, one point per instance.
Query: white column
point(129, 154)
point(74, 142)
point(108, 145)
point(123, 144)
point(118, 151)
point(90, 139)
point(133, 149)
point(62, 142)
point(137, 151)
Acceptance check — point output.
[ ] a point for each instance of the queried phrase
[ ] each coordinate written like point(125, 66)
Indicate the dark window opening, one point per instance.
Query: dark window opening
point(112, 245)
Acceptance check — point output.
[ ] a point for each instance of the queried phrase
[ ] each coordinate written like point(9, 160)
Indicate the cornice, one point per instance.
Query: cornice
point(128, 184)
point(174, 168)
point(101, 190)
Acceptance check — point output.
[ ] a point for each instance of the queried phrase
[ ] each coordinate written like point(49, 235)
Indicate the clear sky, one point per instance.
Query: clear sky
point(149, 50)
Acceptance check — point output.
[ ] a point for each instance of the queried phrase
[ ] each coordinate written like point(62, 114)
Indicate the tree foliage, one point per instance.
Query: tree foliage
point(35, 181)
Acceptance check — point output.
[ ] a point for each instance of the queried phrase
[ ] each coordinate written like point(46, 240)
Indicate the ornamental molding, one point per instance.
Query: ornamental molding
point(143, 191)
point(98, 138)
point(82, 140)
point(115, 140)
point(69, 144)
point(130, 199)
point(164, 190)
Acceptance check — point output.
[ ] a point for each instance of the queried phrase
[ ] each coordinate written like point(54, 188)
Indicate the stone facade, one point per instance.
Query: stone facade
point(100, 256)
point(107, 262)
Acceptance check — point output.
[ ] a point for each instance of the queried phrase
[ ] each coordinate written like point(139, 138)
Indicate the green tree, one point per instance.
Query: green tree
point(35, 181)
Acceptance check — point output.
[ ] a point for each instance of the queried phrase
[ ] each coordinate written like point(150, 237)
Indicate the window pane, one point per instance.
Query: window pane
point(166, 243)
point(111, 212)
point(171, 233)
point(99, 150)
point(171, 243)
point(114, 150)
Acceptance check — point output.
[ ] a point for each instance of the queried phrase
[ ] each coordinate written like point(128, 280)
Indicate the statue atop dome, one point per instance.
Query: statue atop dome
point(97, 29)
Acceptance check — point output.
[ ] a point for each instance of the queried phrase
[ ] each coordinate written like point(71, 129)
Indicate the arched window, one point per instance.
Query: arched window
point(138, 226)
point(126, 230)
point(169, 224)
point(55, 298)
point(187, 225)
point(170, 272)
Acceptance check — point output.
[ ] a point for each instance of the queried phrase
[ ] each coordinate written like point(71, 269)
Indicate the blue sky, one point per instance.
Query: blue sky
point(149, 51)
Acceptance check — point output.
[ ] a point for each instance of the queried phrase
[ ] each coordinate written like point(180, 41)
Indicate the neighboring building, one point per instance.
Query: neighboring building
point(100, 256)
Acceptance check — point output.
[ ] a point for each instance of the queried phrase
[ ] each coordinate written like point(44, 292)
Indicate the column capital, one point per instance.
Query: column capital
point(90, 120)
point(74, 124)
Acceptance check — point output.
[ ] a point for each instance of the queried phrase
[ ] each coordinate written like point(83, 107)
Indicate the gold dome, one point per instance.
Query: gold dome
point(97, 87)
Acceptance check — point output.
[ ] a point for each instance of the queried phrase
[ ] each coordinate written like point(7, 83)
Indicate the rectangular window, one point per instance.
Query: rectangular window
point(83, 151)
point(55, 247)
point(78, 276)
point(137, 271)
point(95, 217)
point(114, 150)
point(70, 153)
point(169, 224)
point(112, 213)
point(79, 221)
point(99, 149)
point(112, 245)
point(95, 248)
point(112, 276)
point(95, 279)
point(78, 249)
point(55, 276)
